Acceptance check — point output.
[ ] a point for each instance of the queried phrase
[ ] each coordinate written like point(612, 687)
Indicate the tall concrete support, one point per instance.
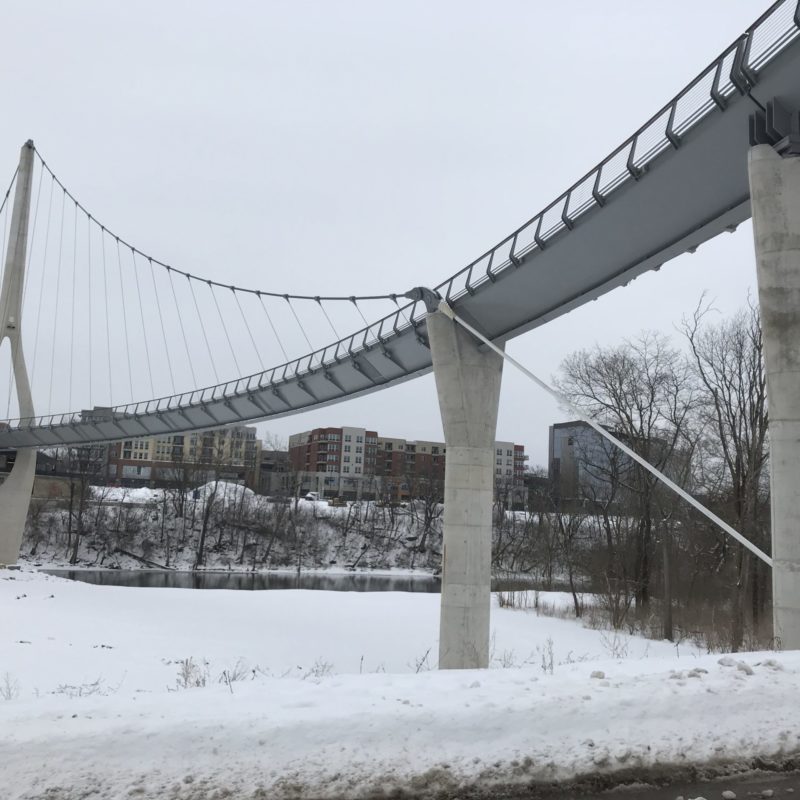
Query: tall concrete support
point(15, 493)
point(775, 198)
point(468, 385)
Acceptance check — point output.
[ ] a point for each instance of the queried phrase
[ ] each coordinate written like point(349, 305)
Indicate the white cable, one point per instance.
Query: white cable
point(445, 309)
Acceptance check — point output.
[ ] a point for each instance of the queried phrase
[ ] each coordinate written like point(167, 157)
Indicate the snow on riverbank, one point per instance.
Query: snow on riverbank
point(97, 680)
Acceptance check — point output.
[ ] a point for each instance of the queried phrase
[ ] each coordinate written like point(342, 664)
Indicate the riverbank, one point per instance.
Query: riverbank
point(187, 695)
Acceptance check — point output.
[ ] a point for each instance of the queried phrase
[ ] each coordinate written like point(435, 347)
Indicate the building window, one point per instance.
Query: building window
point(499, 471)
point(357, 469)
point(346, 459)
point(499, 451)
point(360, 439)
point(358, 459)
point(359, 449)
point(347, 448)
point(345, 469)
point(347, 437)
point(509, 452)
point(499, 462)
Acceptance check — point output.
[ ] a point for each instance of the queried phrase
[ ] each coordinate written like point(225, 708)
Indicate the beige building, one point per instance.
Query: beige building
point(232, 453)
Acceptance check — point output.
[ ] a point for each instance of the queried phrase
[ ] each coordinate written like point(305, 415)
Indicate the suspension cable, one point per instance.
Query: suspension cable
point(446, 309)
point(197, 278)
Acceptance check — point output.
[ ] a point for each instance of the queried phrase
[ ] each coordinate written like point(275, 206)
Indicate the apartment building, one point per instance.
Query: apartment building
point(232, 453)
point(352, 463)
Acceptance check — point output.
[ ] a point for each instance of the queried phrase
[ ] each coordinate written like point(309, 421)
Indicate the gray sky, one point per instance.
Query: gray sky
point(360, 147)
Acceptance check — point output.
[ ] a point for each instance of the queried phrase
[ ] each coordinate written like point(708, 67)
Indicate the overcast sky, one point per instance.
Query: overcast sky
point(360, 147)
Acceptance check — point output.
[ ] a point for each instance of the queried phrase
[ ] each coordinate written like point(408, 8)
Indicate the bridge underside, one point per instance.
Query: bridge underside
point(692, 190)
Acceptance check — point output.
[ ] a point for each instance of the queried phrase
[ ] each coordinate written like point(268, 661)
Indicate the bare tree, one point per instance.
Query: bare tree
point(644, 391)
point(728, 360)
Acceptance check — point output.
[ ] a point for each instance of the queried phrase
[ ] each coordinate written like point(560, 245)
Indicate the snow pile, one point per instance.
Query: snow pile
point(181, 694)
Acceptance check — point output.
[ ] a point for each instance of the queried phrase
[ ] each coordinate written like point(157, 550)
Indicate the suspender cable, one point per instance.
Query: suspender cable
point(203, 328)
point(360, 312)
point(41, 285)
point(183, 331)
point(125, 322)
point(72, 310)
point(286, 297)
point(335, 332)
point(108, 329)
point(269, 319)
point(32, 237)
point(55, 315)
point(563, 401)
point(144, 328)
point(89, 299)
point(163, 332)
point(225, 329)
point(249, 332)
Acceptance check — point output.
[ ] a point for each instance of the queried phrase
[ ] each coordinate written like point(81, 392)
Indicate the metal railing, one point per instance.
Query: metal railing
point(734, 71)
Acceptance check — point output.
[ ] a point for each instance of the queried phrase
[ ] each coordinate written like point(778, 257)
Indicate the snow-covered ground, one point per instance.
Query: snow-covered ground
point(169, 693)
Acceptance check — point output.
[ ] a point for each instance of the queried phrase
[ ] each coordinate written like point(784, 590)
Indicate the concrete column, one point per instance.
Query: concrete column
point(468, 385)
point(15, 493)
point(775, 199)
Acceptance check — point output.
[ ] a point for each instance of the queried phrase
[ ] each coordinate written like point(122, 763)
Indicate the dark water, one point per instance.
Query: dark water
point(357, 582)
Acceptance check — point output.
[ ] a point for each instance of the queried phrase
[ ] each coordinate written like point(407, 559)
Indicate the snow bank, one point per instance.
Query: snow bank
point(319, 708)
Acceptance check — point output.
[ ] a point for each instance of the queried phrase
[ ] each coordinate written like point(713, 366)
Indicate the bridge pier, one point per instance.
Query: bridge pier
point(775, 199)
point(15, 493)
point(468, 384)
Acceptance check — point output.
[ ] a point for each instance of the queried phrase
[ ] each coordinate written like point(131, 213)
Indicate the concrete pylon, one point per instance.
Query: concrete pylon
point(15, 493)
point(468, 385)
point(775, 200)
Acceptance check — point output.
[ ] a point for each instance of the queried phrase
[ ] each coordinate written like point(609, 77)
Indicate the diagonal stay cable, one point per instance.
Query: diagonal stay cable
point(445, 308)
